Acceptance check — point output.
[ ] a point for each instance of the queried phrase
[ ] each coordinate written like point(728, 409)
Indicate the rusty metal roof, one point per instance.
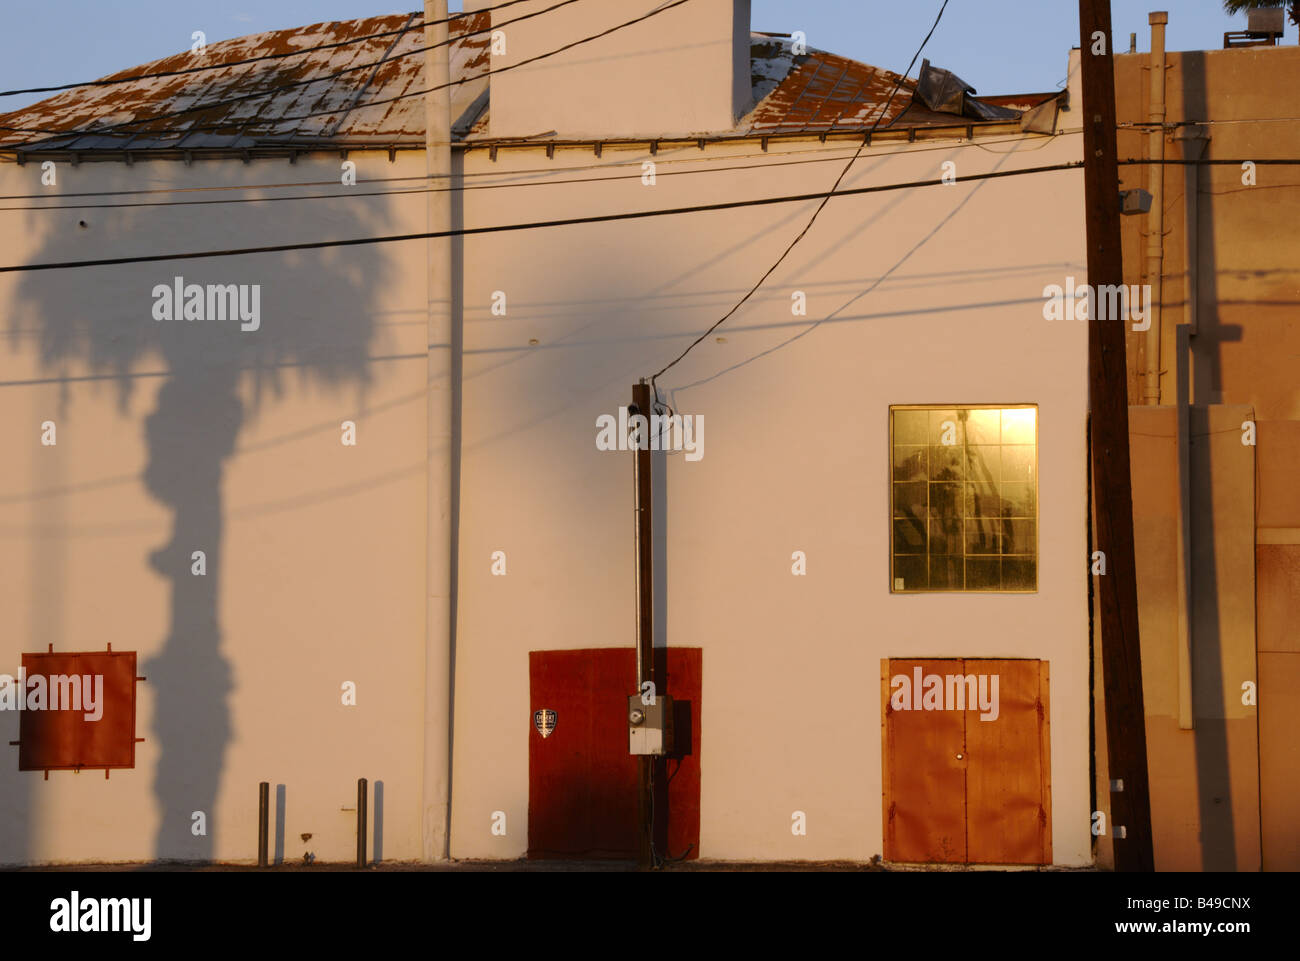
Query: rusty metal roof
point(375, 105)
point(346, 107)
point(818, 91)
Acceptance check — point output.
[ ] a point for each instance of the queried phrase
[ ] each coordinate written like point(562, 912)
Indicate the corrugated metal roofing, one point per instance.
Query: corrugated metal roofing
point(347, 107)
point(812, 92)
point(818, 91)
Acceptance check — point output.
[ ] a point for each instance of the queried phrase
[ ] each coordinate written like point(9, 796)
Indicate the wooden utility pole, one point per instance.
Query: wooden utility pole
point(1130, 802)
point(645, 637)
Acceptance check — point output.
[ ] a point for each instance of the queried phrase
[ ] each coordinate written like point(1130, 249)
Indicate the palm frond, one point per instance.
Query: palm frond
point(1237, 6)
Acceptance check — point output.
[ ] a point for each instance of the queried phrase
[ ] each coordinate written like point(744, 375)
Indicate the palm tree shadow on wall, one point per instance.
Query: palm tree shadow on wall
point(315, 336)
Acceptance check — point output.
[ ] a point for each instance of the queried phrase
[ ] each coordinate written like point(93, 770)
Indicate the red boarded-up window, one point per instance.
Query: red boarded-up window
point(78, 711)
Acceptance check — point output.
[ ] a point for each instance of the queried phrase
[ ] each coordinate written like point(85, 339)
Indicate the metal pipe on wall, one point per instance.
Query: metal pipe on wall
point(643, 478)
point(639, 640)
point(1193, 141)
point(436, 781)
point(361, 822)
point(263, 818)
point(1183, 540)
point(1156, 217)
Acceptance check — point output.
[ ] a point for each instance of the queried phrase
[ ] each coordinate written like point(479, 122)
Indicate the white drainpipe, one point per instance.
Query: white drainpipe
point(1192, 140)
point(436, 781)
point(1155, 218)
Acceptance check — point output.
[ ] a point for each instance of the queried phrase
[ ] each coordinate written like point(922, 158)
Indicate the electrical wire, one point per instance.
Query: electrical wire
point(1237, 190)
point(63, 134)
point(257, 59)
point(811, 220)
point(599, 218)
point(1128, 124)
point(426, 190)
point(1270, 162)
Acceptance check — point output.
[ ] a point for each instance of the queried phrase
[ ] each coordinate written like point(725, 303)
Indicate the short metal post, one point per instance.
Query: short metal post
point(263, 817)
point(361, 822)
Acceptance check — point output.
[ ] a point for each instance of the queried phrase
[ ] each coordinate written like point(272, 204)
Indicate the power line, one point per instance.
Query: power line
point(600, 218)
point(1126, 124)
point(263, 200)
point(61, 134)
point(270, 91)
point(811, 220)
point(1266, 162)
point(426, 190)
point(257, 59)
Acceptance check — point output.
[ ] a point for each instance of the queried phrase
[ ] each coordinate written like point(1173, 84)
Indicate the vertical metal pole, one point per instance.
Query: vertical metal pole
point(1183, 542)
point(435, 790)
point(1113, 492)
point(644, 613)
point(263, 816)
point(361, 822)
point(1193, 143)
point(1155, 247)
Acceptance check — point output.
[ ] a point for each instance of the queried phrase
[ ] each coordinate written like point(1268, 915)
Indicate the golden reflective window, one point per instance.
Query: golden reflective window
point(964, 498)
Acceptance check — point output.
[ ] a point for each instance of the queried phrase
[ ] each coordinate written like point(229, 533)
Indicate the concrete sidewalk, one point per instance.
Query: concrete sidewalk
point(548, 866)
point(445, 866)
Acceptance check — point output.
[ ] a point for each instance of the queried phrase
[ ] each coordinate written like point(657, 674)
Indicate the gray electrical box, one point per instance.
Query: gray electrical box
point(1136, 201)
point(650, 726)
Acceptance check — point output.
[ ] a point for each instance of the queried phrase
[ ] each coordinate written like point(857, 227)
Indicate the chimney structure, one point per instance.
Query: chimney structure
point(683, 71)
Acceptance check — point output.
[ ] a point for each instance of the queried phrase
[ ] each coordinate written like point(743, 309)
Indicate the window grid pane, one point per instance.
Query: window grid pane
point(964, 499)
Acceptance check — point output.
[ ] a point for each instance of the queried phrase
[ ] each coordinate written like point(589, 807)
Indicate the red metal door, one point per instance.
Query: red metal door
point(581, 779)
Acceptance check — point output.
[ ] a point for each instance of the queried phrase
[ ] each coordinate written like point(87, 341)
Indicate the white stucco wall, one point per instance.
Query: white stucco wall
point(682, 71)
point(318, 560)
point(924, 296)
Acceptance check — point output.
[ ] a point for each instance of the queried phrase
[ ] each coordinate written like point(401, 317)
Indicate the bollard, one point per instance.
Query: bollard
point(263, 808)
point(361, 822)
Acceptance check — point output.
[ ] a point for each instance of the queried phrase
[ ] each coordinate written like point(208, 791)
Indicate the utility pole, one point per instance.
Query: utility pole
point(1130, 802)
point(643, 479)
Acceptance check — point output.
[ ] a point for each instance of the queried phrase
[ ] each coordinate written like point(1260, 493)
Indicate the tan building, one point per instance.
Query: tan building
point(868, 585)
point(1217, 402)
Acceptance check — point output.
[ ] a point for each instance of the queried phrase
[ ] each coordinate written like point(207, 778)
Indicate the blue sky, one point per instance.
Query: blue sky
point(997, 46)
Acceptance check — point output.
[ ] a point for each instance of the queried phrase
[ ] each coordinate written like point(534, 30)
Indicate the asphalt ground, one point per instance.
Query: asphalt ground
point(522, 865)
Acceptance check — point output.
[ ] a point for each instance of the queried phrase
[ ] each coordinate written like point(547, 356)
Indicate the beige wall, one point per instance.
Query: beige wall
point(1205, 780)
point(1248, 274)
point(1246, 297)
point(683, 71)
point(315, 550)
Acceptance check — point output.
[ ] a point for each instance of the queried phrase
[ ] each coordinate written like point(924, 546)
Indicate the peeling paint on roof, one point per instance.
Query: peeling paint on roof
point(345, 104)
point(810, 92)
point(818, 91)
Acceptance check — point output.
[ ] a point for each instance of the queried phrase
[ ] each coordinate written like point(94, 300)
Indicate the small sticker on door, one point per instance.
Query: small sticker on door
point(544, 720)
